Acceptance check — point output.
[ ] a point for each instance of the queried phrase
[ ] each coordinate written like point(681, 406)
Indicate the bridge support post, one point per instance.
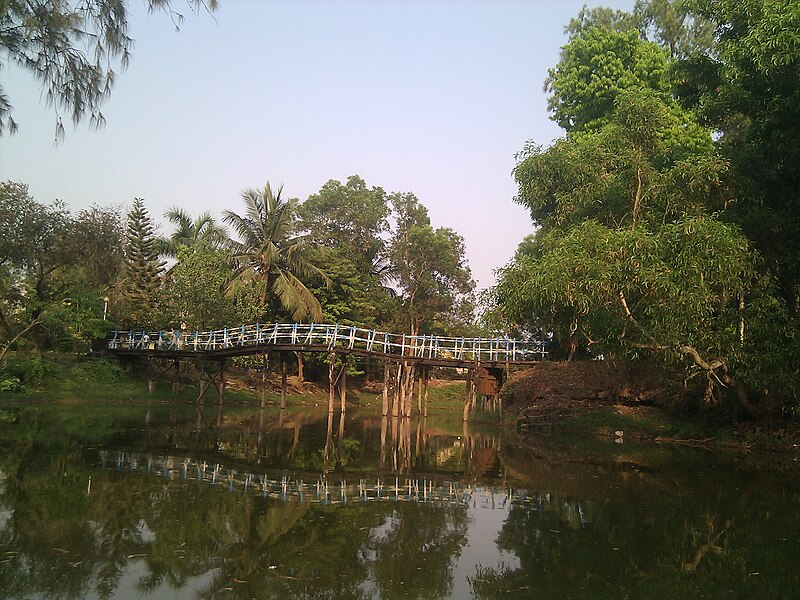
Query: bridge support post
point(264, 374)
point(221, 383)
point(343, 384)
point(468, 398)
point(425, 381)
point(151, 376)
point(385, 408)
point(176, 382)
point(283, 381)
point(201, 398)
point(396, 391)
point(331, 380)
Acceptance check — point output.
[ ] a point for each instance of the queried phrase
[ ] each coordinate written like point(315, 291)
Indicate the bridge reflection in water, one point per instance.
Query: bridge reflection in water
point(322, 490)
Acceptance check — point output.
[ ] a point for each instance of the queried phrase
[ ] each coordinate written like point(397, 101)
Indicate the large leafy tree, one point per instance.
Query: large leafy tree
point(596, 65)
point(193, 294)
point(429, 268)
point(74, 48)
point(271, 255)
point(748, 87)
point(55, 269)
point(636, 255)
point(346, 226)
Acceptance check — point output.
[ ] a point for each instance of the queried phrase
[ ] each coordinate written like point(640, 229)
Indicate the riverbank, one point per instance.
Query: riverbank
point(68, 377)
point(592, 398)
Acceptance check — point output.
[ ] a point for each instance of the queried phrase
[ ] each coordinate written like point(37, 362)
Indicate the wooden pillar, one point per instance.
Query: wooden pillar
point(221, 383)
point(343, 384)
point(425, 385)
point(386, 369)
point(264, 374)
point(176, 383)
point(201, 398)
point(468, 397)
point(283, 381)
point(331, 380)
point(151, 378)
point(396, 394)
point(384, 428)
point(419, 375)
point(401, 371)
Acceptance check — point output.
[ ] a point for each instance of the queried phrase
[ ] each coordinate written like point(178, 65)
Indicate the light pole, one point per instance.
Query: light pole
point(105, 307)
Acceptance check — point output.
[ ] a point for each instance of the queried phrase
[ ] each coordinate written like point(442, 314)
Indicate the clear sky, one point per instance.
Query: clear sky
point(432, 97)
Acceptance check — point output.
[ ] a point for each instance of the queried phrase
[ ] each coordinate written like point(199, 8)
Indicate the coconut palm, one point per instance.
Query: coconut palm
point(270, 253)
point(189, 233)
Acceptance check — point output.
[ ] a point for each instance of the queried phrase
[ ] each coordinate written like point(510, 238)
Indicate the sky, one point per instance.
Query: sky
point(433, 97)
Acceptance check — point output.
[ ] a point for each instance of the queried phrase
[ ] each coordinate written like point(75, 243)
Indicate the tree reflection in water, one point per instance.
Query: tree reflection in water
point(637, 526)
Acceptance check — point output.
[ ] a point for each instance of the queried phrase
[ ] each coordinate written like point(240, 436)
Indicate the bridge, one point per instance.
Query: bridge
point(412, 356)
point(314, 337)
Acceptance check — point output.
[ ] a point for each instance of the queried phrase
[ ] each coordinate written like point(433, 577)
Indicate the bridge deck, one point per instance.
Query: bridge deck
point(315, 337)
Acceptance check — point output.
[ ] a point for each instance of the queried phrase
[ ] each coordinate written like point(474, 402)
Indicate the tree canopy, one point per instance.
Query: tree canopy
point(74, 48)
point(666, 221)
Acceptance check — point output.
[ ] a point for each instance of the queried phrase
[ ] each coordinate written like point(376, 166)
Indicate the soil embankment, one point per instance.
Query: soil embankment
point(596, 397)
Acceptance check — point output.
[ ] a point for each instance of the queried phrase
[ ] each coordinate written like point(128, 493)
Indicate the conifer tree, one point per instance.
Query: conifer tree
point(143, 268)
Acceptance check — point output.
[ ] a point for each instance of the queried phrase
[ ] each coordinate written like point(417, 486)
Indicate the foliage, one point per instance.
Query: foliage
point(646, 246)
point(428, 266)
point(345, 225)
point(143, 267)
point(54, 270)
point(270, 255)
point(73, 48)
point(596, 65)
point(746, 87)
point(202, 231)
point(193, 295)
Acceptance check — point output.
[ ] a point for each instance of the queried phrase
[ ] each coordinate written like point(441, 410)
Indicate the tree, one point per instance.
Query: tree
point(194, 291)
point(271, 255)
point(203, 231)
point(54, 268)
point(73, 48)
point(746, 87)
point(348, 216)
point(429, 267)
point(143, 268)
point(674, 27)
point(595, 66)
point(345, 226)
point(634, 257)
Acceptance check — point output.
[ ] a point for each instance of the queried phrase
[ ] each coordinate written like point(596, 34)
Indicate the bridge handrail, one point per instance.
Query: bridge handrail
point(332, 336)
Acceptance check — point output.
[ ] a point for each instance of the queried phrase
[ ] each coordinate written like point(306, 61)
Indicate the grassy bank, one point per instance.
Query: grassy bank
point(68, 378)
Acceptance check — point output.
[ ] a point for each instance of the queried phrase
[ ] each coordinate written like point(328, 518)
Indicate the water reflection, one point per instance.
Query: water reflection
point(304, 504)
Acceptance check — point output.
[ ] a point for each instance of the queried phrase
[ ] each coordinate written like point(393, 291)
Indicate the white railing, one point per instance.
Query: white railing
point(333, 337)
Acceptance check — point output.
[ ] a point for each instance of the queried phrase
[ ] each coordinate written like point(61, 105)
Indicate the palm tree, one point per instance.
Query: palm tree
point(189, 233)
point(271, 255)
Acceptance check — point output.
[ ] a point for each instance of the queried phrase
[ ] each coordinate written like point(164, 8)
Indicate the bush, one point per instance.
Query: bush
point(10, 383)
point(98, 370)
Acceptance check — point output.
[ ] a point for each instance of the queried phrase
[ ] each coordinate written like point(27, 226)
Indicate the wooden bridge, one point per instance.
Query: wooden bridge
point(484, 359)
point(300, 337)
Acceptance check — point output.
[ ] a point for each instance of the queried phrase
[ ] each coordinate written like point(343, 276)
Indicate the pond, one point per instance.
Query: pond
point(134, 501)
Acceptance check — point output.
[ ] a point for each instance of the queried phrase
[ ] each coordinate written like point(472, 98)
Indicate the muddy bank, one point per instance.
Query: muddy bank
point(627, 404)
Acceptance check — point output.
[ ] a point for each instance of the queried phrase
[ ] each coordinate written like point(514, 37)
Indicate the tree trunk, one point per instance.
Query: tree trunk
point(299, 356)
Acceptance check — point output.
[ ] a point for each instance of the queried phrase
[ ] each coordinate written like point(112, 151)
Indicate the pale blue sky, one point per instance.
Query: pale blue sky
point(430, 97)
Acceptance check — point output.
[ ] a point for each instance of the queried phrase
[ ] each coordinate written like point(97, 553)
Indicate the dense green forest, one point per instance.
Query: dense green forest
point(668, 214)
point(665, 225)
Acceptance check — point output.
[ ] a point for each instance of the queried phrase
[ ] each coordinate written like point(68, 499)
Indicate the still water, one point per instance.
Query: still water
point(111, 501)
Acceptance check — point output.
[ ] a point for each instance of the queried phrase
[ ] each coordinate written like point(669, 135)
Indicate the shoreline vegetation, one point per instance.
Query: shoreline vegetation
point(589, 400)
